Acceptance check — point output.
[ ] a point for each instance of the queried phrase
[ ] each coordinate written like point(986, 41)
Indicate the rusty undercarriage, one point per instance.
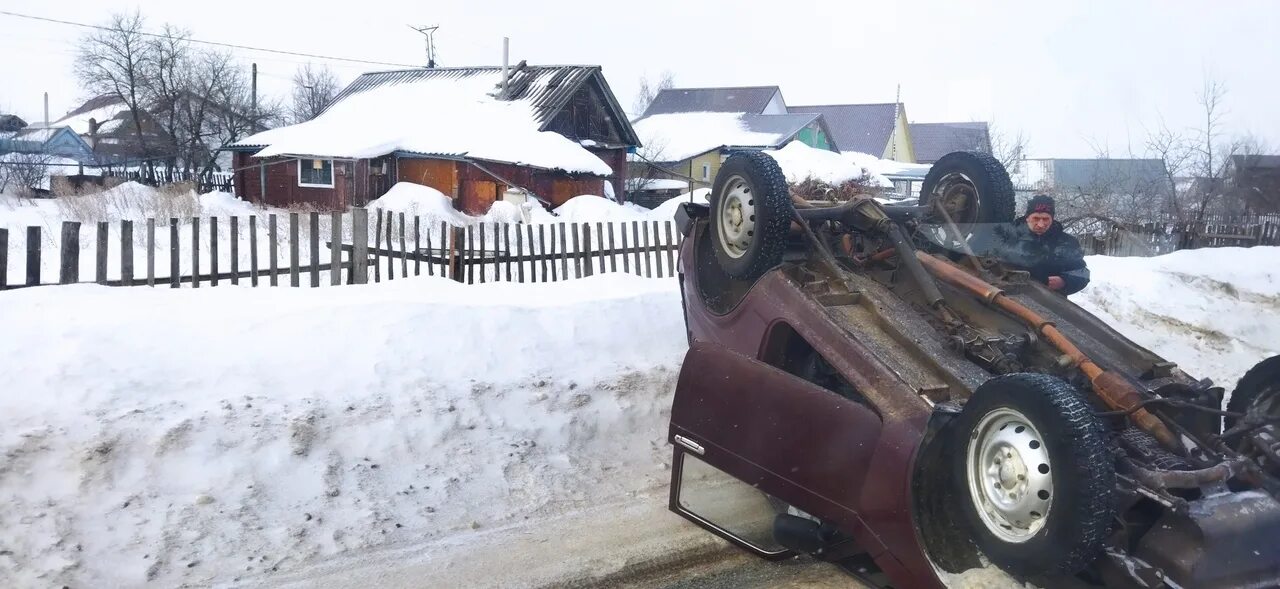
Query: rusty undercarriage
point(892, 395)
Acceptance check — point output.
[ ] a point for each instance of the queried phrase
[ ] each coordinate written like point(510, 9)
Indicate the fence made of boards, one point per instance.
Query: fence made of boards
point(315, 249)
point(1153, 239)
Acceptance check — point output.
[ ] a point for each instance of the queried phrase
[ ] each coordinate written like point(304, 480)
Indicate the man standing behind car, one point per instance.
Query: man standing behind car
point(1037, 243)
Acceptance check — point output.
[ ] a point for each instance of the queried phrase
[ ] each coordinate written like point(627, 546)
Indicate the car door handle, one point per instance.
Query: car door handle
point(690, 444)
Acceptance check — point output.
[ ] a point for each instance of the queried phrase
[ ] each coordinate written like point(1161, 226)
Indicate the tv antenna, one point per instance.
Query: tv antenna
point(430, 34)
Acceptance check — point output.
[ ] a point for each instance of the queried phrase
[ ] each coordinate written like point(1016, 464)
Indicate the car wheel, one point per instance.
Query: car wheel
point(973, 188)
point(750, 215)
point(1257, 392)
point(1035, 476)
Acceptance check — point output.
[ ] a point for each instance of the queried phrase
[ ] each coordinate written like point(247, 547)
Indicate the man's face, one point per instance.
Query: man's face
point(1039, 222)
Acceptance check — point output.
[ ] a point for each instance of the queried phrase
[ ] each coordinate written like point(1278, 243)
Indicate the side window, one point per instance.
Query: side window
point(706, 171)
point(315, 173)
point(787, 350)
point(726, 505)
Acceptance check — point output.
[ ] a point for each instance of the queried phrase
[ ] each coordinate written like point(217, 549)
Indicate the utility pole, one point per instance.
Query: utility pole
point(430, 34)
point(897, 112)
point(253, 112)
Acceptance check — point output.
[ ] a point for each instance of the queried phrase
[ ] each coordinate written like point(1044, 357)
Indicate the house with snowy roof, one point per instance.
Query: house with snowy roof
point(107, 125)
point(476, 134)
point(875, 129)
point(689, 132)
point(60, 142)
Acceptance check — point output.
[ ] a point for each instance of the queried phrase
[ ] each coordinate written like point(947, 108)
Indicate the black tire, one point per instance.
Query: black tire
point(766, 189)
point(1083, 475)
point(996, 199)
point(1257, 390)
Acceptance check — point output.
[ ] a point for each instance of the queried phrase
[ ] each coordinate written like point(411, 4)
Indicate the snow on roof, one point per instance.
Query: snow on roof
point(799, 161)
point(105, 117)
point(660, 184)
point(678, 136)
point(433, 116)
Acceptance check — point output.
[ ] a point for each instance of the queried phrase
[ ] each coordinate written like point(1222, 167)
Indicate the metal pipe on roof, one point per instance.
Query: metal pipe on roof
point(506, 45)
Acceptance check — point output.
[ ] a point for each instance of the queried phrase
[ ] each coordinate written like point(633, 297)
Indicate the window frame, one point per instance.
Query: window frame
point(309, 185)
point(706, 172)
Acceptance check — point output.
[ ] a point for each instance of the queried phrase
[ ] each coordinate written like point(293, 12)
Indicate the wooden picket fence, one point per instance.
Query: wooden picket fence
point(1153, 239)
point(353, 252)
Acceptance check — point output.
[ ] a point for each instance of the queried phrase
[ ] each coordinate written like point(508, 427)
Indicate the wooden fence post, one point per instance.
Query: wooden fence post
point(195, 252)
point(404, 251)
point(455, 254)
point(483, 259)
point(626, 259)
point(417, 245)
point(103, 252)
point(577, 251)
point(359, 246)
point(613, 256)
point(126, 253)
point(431, 271)
point(69, 262)
point(471, 248)
point(293, 250)
point(671, 248)
point(599, 251)
point(506, 247)
point(520, 252)
point(175, 272)
point(273, 235)
point(586, 249)
point(235, 249)
point(4, 258)
point(635, 239)
point(33, 256)
point(377, 245)
point(315, 249)
point(391, 259)
point(335, 248)
point(253, 250)
point(213, 251)
point(648, 255)
point(564, 253)
point(542, 252)
point(151, 251)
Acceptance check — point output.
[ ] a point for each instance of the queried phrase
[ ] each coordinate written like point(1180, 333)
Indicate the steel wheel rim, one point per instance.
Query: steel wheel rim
point(958, 194)
point(1009, 475)
point(737, 217)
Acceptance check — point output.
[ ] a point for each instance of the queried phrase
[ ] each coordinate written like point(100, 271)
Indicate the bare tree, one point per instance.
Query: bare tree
point(114, 61)
point(23, 173)
point(314, 88)
point(166, 79)
point(648, 91)
point(1009, 149)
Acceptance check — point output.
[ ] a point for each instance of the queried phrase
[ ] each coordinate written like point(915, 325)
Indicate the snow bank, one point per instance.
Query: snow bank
point(667, 210)
point(448, 116)
point(306, 423)
point(416, 199)
point(799, 162)
point(1215, 311)
point(586, 207)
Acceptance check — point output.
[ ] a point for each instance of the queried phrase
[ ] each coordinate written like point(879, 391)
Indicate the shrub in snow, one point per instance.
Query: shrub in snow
point(130, 200)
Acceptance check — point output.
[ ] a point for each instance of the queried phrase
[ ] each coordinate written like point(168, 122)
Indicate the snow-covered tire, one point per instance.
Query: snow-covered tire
point(1034, 475)
point(750, 215)
point(974, 187)
point(1258, 391)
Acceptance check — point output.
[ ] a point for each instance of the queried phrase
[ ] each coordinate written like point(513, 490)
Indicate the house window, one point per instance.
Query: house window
point(706, 171)
point(315, 173)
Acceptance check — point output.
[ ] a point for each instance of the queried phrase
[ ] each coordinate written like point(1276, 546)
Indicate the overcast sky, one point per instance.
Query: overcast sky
point(1071, 77)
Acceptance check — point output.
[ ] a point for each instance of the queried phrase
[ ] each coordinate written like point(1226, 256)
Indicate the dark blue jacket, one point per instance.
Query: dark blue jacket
point(1056, 253)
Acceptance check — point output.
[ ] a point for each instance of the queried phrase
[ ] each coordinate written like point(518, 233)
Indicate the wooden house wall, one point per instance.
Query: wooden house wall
point(281, 175)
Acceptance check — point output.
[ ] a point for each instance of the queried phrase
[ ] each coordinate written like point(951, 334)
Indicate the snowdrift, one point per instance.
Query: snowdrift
point(800, 162)
point(311, 422)
point(1216, 311)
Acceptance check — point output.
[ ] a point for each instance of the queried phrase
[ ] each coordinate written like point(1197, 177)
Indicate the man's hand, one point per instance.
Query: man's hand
point(1056, 283)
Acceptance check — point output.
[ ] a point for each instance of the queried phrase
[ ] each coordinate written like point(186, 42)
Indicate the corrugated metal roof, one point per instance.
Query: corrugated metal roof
point(864, 128)
point(749, 99)
point(934, 140)
point(547, 88)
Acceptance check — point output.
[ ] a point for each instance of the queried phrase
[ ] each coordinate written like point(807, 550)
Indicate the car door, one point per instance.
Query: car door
point(751, 439)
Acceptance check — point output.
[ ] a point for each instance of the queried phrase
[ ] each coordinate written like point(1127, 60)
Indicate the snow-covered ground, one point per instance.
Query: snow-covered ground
point(196, 436)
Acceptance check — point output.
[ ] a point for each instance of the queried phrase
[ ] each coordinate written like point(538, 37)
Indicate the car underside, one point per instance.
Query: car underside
point(859, 384)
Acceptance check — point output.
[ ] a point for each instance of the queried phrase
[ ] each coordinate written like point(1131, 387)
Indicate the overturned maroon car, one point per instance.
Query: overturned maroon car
point(860, 386)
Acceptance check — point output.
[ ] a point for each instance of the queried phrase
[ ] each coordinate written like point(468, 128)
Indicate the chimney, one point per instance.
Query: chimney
point(46, 109)
point(506, 45)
